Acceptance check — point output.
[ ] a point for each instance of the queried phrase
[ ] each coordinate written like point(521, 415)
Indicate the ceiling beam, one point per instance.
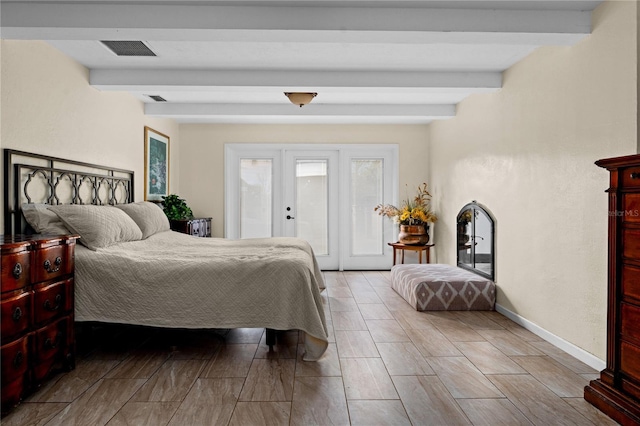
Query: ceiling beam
point(207, 22)
point(194, 110)
point(295, 81)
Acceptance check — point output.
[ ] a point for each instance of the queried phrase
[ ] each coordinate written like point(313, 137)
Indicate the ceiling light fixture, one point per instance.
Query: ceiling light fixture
point(300, 98)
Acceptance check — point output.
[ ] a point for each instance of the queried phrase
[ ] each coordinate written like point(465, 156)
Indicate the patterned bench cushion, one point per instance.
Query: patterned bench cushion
point(436, 287)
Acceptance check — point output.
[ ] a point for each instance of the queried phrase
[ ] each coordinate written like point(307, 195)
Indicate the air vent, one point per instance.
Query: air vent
point(157, 98)
point(128, 48)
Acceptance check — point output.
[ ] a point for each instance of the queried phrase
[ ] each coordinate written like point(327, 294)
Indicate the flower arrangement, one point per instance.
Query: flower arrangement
point(414, 211)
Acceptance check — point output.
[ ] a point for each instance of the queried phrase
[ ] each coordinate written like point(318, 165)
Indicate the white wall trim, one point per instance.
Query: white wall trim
point(578, 353)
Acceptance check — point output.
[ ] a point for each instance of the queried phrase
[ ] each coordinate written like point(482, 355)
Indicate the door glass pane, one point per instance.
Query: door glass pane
point(483, 243)
point(311, 214)
point(255, 198)
point(366, 193)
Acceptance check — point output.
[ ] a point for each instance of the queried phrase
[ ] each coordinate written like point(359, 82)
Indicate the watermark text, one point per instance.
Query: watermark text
point(625, 213)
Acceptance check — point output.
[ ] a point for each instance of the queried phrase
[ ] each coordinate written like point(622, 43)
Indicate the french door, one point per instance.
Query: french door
point(311, 192)
point(324, 194)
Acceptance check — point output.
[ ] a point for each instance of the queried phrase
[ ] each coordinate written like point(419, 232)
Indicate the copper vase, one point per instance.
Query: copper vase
point(413, 235)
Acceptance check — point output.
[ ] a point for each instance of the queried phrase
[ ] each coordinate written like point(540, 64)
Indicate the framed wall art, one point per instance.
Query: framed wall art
point(156, 165)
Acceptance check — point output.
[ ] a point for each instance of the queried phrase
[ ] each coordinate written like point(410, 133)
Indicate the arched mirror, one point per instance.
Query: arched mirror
point(476, 242)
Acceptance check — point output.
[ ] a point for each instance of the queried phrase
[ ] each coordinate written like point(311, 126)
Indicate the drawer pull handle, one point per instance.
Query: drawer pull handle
point(57, 299)
point(634, 175)
point(47, 265)
point(52, 344)
point(17, 270)
point(17, 360)
point(17, 314)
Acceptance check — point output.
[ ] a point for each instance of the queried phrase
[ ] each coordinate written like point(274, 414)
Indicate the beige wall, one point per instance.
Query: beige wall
point(202, 154)
point(527, 153)
point(48, 107)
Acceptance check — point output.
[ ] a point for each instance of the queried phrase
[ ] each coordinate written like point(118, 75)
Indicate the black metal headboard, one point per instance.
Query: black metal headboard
point(34, 178)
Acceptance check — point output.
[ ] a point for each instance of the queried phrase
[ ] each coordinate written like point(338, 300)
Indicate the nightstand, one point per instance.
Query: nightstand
point(37, 311)
point(199, 227)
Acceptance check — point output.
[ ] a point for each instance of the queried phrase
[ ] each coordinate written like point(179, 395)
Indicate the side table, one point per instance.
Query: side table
point(419, 248)
point(36, 279)
point(199, 226)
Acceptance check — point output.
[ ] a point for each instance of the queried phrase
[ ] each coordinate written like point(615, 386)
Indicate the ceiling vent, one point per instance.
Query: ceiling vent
point(128, 48)
point(157, 98)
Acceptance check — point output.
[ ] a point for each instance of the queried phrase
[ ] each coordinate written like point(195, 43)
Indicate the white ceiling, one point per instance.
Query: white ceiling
point(232, 61)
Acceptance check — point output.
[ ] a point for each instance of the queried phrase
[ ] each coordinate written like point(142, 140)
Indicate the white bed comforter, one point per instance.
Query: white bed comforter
point(176, 280)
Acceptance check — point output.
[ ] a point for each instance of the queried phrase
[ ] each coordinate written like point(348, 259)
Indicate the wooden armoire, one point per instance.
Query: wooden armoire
point(617, 391)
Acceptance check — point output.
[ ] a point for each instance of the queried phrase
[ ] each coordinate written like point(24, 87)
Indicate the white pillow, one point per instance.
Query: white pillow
point(43, 220)
point(148, 216)
point(98, 226)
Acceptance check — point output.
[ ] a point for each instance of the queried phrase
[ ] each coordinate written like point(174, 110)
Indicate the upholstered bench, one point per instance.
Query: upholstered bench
point(436, 287)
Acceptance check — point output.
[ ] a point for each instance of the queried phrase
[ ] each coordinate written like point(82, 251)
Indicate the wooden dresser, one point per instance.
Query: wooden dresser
point(617, 391)
point(37, 311)
point(199, 227)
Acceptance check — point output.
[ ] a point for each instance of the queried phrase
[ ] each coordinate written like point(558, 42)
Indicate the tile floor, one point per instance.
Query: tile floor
point(386, 365)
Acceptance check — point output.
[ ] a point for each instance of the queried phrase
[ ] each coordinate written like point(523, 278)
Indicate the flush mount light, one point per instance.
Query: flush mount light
point(300, 98)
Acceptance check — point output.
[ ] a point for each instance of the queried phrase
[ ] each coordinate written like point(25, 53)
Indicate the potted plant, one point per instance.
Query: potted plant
point(414, 217)
point(176, 208)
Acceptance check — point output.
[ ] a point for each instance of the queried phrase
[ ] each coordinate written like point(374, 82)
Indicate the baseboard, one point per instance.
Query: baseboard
point(578, 353)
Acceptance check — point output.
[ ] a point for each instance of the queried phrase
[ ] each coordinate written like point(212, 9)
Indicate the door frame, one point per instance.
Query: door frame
point(234, 152)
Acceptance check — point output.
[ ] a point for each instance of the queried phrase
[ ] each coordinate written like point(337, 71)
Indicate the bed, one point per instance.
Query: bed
point(131, 269)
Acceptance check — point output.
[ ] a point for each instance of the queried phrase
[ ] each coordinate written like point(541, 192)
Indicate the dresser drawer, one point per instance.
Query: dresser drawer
point(50, 340)
point(630, 321)
point(50, 348)
point(630, 177)
point(631, 282)
point(16, 315)
point(630, 359)
point(631, 243)
point(12, 393)
point(52, 262)
point(631, 207)
point(15, 272)
point(205, 230)
point(194, 228)
point(201, 228)
point(15, 359)
point(51, 301)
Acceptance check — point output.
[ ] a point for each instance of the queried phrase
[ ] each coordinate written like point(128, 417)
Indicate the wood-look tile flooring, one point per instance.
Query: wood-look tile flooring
point(386, 365)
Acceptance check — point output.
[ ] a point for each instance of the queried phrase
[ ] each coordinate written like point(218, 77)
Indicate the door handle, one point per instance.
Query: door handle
point(289, 217)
